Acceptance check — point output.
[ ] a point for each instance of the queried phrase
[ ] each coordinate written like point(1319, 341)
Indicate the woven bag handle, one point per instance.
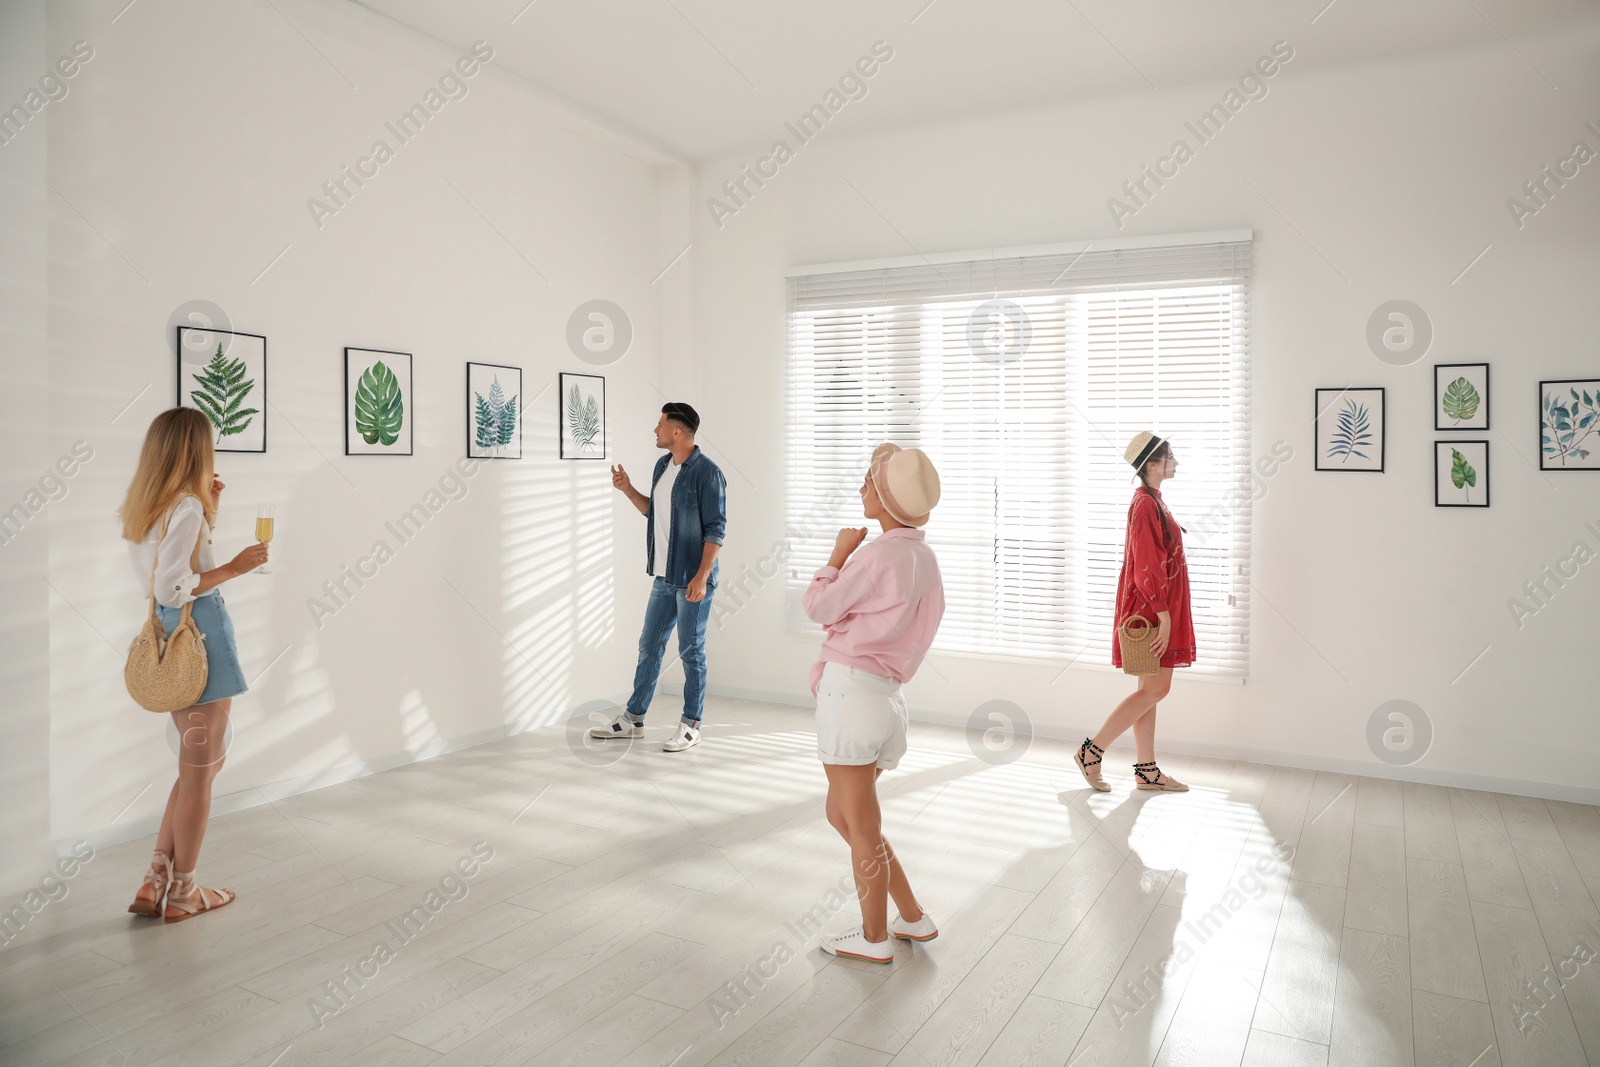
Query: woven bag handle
point(194, 561)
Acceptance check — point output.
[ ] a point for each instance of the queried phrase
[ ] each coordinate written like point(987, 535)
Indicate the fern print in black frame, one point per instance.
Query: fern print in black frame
point(223, 373)
point(494, 411)
point(582, 416)
point(1569, 424)
point(378, 408)
point(1349, 429)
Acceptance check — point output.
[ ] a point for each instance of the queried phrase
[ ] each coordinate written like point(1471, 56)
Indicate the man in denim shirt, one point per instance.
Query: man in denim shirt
point(685, 517)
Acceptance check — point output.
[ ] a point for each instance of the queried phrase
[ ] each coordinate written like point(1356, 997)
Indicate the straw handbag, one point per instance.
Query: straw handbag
point(167, 672)
point(1134, 641)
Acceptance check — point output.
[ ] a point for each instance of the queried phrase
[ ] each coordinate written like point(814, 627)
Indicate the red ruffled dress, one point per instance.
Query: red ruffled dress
point(1154, 578)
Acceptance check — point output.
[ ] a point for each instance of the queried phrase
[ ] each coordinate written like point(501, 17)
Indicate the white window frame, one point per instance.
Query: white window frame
point(1132, 334)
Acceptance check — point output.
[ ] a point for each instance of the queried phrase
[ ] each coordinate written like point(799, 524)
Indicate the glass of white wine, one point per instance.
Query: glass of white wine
point(263, 531)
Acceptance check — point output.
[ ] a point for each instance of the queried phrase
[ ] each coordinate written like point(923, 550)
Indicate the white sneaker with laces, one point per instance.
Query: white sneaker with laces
point(622, 726)
point(921, 930)
point(685, 736)
point(854, 945)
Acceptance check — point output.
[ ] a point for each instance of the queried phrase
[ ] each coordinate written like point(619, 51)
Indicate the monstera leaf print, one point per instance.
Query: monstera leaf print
point(1461, 400)
point(223, 388)
point(380, 412)
point(1352, 431)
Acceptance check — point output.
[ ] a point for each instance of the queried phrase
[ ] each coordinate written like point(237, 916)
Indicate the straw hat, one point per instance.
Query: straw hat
point(1140, 448)
point(906, 482)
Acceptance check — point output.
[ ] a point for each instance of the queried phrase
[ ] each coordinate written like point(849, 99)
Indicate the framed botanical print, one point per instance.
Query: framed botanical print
point(223, 373)
point(1349, 429)
point(1569, 424)
point(1461, 396)
point(378, 407)
point(1461, 474)
point(583, 416)
point(494, 417)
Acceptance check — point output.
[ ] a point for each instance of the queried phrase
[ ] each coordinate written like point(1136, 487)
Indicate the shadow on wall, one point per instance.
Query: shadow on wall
point(555, 572)
point(502, 595)
point(409, 650)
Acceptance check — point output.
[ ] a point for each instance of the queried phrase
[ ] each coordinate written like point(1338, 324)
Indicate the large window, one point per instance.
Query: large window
point(1023, 378)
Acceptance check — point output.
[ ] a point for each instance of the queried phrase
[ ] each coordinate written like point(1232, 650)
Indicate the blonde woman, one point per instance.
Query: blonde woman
point(176, 482)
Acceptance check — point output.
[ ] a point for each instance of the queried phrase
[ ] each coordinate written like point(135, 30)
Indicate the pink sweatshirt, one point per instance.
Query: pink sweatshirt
point(881, 609)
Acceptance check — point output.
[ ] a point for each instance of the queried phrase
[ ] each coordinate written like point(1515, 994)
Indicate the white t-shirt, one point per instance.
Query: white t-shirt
point(661, 502)
point(175, 582)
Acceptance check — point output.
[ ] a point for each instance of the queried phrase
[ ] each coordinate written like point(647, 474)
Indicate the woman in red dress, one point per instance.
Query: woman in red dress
point(1155, 584)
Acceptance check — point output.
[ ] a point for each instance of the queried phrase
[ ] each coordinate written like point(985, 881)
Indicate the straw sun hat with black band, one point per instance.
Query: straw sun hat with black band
point(1141, 448)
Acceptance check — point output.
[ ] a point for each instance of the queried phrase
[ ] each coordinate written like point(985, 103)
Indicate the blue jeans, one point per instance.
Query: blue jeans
point(670, 606)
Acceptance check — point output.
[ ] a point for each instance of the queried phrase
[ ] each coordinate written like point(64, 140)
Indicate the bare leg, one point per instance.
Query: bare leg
point(1144, 737)
point(905, 901)
point(202, 749)
point(164, 837)
point(1135, 706)
point(853, 811)
point(147, 892)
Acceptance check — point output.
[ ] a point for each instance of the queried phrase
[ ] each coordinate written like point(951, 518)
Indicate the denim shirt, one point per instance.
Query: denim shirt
point(699, 514)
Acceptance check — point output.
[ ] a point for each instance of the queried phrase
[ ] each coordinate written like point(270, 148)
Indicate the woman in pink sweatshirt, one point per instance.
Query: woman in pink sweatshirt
point(880, 606)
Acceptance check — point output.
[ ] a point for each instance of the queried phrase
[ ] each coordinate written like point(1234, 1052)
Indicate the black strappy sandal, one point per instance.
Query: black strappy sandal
point(1150, 777)
point(1091, 767)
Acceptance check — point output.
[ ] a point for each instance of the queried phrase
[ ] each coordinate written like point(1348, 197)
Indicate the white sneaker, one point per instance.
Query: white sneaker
point(921, 930)
point(685, 736)
point(855, 945)
point(621, 727)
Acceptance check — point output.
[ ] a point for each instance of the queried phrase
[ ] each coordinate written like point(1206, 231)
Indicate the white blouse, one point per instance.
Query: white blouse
point(175, 582)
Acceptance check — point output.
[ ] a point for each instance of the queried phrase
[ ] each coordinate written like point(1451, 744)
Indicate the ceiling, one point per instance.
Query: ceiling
point(702, 77)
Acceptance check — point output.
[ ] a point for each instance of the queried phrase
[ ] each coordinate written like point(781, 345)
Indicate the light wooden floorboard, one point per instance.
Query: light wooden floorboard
point(666, 909)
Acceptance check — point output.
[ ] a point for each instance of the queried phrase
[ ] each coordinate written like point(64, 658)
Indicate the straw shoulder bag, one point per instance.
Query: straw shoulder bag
point(167, 672)
point(1134, 641)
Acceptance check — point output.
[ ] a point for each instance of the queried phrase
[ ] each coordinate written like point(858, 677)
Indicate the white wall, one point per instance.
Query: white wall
point(188, 147)
point(1362, 183)
point(24, 459)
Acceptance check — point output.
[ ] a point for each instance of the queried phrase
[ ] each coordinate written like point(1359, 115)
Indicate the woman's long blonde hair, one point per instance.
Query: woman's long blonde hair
point(177, 456)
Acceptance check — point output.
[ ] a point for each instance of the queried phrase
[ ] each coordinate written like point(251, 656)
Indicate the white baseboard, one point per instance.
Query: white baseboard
point(288, 787)
point(1303, 761)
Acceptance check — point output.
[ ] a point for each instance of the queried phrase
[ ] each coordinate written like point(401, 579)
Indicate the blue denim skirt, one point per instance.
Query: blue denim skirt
point(224, 674)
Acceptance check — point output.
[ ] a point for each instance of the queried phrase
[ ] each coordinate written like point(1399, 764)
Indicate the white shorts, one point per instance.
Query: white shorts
point(861, 718)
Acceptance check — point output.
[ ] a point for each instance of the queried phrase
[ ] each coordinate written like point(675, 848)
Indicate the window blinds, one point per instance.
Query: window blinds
point(1023, 378)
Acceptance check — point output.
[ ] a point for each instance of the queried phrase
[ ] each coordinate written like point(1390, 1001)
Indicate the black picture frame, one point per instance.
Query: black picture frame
point(1438, 485)
point(1438, 396)
point(410, 411)
point(184, 399)
point(1592, 391)
point(521, 411)
point(561, 415)
point(1318, 408)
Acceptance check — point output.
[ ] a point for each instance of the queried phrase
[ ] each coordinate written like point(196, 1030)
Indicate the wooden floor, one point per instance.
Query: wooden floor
point(654, 910)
